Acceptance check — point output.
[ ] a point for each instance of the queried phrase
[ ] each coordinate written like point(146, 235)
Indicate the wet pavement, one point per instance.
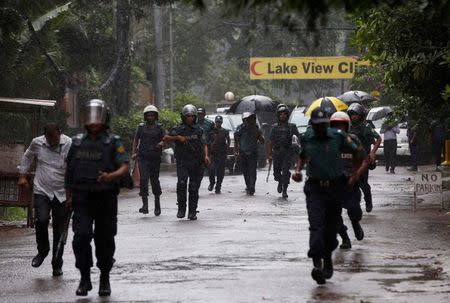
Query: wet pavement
point(250, 249)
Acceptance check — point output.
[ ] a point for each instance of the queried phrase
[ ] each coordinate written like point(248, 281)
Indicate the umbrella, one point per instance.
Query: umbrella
point(356, 96)
point(377, 113)
point(327, 104)
point(254, 104)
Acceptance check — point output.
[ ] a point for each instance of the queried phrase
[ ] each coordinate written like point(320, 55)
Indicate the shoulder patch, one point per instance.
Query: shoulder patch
point(141, 124)
point(120, 149)
point(76, 140)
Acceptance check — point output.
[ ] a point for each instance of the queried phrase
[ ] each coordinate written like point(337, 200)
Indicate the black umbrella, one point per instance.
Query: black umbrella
point(356, 96)
point(253, 104)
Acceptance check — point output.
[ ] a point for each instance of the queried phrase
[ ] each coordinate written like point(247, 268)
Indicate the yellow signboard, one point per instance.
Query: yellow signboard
point(304, 67)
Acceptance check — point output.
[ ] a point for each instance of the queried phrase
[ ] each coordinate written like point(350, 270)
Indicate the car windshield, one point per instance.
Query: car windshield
point(299, 119)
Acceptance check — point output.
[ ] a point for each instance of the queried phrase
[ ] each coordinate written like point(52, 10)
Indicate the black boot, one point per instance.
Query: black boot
point(104, 288)
point(359, 233)
point(218, 187)
point(157, 206)
point(317, 273)
point(144, 208)
point(181, 212)
point(279, 187)
point(285, 195)
point(346, 243)
point(211, 186)
point(192, 215)
point(85, 283)
point(327, 267)
point(37, 260)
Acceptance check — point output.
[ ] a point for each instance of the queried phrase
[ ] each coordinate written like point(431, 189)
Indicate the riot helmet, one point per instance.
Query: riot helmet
point(96, 112)
point(188, 110)
point(340, 117)
point(356, 108)
point(282, 108)
point(218, 119)
point(201, 110)
point(151, 109)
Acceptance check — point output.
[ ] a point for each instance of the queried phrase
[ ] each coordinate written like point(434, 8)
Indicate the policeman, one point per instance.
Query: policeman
point(280, 148)
point(191, 153)
point(246, 137)
point(220, 142)
point(204, 124)
point(324, 188)
point(148, 142)
point(95, 163)
point(368, 136)
point(352, 197)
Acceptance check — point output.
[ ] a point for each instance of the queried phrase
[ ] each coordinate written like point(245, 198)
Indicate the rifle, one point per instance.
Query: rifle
point(63, 238)
point(268, 172)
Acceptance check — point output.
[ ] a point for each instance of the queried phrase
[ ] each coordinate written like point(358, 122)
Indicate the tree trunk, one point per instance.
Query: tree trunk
point(160, 76)
point(121, 86)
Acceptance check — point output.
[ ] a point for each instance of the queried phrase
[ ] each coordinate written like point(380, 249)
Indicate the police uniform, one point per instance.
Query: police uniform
point(93, 201)
point(351, 200)
point(149, 156)
point(324, 190)
point(189, 161)
point(220, 139)
point(248, 145)
point(367, 135)
point(206, 127)
point(283, 151)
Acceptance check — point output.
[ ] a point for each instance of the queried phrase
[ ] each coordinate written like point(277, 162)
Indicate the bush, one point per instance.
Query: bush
point(125, 126)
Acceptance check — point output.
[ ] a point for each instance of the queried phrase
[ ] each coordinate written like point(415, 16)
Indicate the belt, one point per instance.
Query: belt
point(326, 183)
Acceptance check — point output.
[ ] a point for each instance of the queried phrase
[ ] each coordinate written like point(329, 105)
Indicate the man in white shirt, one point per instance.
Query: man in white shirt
point(50, 152)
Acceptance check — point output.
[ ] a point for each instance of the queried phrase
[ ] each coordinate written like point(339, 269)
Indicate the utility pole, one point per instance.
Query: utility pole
point(160, 76)
point(170, 57)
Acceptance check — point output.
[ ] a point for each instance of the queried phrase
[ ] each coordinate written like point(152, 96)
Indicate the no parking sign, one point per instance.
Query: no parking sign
point(427, 183)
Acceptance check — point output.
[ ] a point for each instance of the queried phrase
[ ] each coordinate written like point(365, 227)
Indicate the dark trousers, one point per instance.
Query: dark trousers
point(363, 183)
point(282, 162)
point(390, 153)
point(249, 163)
point(192, 170)
point(97, 209)
point(437, 151)
point(413, 157)
point(351, 202)
point(324, 208)
point(42, 207)
point(149, 169)
point(217, 168)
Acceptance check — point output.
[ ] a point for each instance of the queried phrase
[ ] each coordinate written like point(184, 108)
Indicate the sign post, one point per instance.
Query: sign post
point(427, 183)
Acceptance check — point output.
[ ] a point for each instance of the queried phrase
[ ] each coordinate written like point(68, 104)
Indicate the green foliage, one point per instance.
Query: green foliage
point(183, 98)
point(409, 44)
point(15, 214)
point(126, 126)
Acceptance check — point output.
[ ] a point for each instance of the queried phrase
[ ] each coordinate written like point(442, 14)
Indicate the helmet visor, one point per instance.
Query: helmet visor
point(95, 115)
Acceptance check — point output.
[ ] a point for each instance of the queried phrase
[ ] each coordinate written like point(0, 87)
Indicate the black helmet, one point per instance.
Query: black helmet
point(218, 119)
point(356, 108)
point(201, 110)
point(318, 115)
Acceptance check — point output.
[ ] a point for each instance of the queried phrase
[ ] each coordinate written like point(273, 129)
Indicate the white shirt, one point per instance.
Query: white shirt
point(50, 168)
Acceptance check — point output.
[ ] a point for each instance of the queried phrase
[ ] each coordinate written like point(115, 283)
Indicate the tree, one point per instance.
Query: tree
point(409, 44)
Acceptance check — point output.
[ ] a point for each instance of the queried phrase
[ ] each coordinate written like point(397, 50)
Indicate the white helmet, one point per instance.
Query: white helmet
point(340, 117)
point(150, 108)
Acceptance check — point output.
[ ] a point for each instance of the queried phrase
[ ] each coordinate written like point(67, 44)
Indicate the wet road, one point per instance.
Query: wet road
point(250, 249)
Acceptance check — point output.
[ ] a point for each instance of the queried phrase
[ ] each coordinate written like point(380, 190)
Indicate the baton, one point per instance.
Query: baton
point(63, 238)
point(268, 172)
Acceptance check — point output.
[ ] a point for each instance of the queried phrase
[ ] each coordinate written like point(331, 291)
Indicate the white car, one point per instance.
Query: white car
point(377, 115)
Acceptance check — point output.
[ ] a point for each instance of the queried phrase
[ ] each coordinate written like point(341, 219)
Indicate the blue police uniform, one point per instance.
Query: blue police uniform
point(149, 156)
point(218, 155)
point(94, 201)
point(248, 144)
point(283, 151)
point(189, 161)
